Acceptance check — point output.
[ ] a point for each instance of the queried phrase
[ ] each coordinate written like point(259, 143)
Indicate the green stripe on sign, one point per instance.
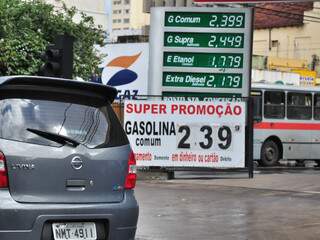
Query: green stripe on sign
point(205, 19)
point(205, 60)
point(204, 40)
point(202, 80)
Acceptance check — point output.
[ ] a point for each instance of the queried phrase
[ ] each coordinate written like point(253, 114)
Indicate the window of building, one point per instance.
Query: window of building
point(127, 11)
point(275, 43)
point(116, 21)
point(126, 1)
point(116, 2)
point(116, 11)
point(126, 20)
point(274, 104)
point(299, 105)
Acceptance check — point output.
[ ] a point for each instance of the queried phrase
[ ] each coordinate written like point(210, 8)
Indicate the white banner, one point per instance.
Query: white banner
point(183, 134)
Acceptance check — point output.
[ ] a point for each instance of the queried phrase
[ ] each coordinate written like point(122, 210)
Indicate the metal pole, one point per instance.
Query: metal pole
point(250, 112)
point(249, 143)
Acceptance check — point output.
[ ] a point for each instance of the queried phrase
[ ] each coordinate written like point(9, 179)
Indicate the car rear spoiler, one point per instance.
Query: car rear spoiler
point(49, 84)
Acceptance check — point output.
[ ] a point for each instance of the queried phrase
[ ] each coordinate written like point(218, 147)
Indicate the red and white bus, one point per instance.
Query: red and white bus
point(287, 123)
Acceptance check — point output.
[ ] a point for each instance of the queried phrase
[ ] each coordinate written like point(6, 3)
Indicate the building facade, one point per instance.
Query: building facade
point(99, 10)
point(128, 18)
point(300, 41)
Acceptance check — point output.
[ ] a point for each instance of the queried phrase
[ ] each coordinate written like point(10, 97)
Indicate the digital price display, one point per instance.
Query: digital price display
point(201, 49)
point(204, 60)
point(205, 40)
point(204, 19)
point(202, 80)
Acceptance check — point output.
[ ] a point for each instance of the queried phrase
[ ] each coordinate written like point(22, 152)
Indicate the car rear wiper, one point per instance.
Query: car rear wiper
point(54, 137)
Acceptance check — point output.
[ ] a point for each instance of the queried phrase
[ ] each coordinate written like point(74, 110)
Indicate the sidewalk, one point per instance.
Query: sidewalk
point(303, 181)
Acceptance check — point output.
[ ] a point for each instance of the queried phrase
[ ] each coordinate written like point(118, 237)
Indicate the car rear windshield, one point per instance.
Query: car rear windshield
point(88, 125)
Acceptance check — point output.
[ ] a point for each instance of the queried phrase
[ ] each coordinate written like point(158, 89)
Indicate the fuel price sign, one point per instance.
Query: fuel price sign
point(197, 50)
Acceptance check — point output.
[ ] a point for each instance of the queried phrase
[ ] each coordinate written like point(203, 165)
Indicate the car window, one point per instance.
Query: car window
point(86, 124)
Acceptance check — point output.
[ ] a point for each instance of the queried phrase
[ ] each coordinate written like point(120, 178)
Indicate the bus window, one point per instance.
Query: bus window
point(257, 105)
point(299, 106)
point(317, 106)
point(274, 104)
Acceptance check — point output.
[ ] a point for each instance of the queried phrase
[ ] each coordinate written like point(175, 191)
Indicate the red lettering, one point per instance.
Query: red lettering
point(183, 109)
point(146, 108)
point(154, 108)
point(174, 107)
point(191, 109)
point(129, 108)
point(163, 108)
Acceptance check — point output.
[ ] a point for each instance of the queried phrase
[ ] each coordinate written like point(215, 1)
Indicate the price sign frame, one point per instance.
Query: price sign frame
point(192, 21)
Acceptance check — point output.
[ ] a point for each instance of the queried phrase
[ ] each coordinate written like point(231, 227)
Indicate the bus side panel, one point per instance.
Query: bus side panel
point(296, 143)
point(257, 151)
point(315, 138)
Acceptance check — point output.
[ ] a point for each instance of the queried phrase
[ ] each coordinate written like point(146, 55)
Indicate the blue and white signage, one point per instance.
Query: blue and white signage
point(126, 68)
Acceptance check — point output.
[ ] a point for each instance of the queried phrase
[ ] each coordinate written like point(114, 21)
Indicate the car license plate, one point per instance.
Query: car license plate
point(74, 231)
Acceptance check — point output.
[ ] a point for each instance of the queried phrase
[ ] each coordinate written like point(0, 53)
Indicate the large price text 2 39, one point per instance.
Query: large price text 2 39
point(205, 140)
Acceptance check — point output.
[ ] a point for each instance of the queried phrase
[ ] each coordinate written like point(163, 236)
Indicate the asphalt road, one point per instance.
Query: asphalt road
point(201, 209)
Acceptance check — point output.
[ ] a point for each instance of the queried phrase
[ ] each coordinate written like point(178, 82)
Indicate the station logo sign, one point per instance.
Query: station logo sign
point(125, 67)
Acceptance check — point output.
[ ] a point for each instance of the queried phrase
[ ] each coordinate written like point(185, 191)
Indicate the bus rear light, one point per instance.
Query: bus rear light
point(3, 172)
point(131, 177)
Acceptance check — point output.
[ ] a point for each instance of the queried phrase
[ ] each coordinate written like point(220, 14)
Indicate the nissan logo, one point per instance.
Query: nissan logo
point(76, 163)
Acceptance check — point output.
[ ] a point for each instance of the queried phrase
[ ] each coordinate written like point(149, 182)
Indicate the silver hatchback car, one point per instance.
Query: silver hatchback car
point(67, 171)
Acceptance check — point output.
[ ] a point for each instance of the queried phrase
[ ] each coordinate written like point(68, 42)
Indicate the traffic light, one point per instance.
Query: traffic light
point(58, 58)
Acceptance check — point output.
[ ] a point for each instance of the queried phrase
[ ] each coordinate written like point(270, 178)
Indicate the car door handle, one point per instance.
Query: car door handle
point(76, 185)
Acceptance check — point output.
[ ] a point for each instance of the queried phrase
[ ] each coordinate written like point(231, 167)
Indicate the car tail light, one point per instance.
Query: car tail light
point(3, 172)
point(131, 177)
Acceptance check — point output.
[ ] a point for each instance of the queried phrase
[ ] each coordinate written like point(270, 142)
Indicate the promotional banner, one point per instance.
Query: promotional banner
point(182, 134)
point(126, 68)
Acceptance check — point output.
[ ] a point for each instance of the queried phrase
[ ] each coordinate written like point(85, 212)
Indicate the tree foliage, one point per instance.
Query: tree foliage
point(27, 27)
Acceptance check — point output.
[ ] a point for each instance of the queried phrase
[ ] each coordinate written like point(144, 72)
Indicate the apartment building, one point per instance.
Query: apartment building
point(99, 10)
point(128, 17)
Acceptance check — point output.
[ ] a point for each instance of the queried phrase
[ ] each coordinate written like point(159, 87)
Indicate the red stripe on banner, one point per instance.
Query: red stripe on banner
point(287, 126)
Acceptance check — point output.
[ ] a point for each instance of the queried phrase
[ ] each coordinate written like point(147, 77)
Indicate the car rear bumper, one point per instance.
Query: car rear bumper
point(20, 221)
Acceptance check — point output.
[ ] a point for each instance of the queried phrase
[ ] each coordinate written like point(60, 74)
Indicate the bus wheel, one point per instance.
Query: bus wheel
point(270, 153)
